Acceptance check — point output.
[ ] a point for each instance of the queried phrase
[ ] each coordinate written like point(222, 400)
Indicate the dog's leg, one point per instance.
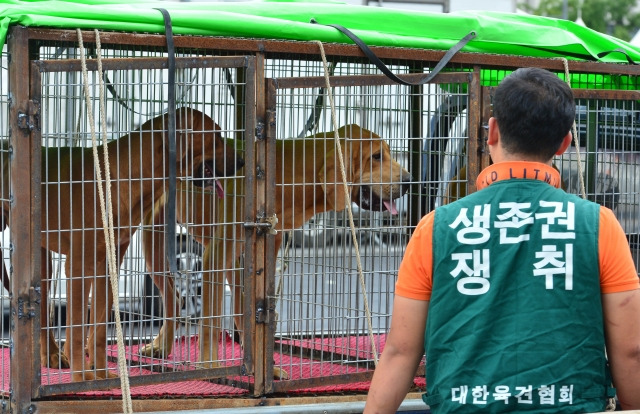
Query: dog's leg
point(234, 278)
point(278, 373)
point(77, 300)
point(102, 304)
point(212, 304)
point(215, 265)
point(162, 344)
point(50, 355)
point(154, 256)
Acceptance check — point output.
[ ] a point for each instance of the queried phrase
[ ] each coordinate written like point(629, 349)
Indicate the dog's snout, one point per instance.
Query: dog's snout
point(239, 163)
point(407, 181)
point(232, 167)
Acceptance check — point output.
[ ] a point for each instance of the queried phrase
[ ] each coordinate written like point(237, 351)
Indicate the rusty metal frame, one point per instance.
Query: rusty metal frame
point(310, 51)
point(25, 277)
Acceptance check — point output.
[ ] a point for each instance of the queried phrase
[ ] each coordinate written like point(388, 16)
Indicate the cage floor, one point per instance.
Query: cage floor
point(186, 351)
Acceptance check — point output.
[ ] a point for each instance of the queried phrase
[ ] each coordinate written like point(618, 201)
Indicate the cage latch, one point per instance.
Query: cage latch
point(27, 309)
point(31, 118)
point(260, 131)
point(264, 224)
point(264, 314)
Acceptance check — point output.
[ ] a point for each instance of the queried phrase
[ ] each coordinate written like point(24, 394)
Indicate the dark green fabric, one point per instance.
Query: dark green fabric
point(510, 327)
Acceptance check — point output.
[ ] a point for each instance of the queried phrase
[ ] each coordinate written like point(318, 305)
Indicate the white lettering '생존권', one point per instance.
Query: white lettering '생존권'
point(553, 221)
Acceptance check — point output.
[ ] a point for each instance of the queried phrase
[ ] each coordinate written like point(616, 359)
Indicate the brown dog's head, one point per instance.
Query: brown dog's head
point(376, 178)
point(202, 152)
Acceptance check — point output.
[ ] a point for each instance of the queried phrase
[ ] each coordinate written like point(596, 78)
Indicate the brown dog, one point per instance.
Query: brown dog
point(308, 182)
point(195, 206)
point(138, 169)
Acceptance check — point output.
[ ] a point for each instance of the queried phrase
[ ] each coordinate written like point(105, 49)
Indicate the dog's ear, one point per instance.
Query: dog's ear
point(330, 176)
point(330, 179)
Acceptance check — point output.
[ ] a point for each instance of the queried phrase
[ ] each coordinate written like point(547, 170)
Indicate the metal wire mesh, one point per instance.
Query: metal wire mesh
point(608, 155)
point(321, 333)
point(320, 301)
point(134, 96)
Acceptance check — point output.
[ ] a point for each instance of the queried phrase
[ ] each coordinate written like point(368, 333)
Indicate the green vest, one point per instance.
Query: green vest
point(515, 317)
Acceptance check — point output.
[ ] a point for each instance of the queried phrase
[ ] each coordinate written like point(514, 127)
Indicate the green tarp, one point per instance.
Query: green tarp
point(501, 33)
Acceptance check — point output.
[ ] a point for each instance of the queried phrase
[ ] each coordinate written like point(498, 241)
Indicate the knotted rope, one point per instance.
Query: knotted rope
point(106, 210)
point(347, 196)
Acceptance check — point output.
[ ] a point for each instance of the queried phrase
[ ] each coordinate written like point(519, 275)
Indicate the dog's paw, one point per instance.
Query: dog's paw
point(55, 360)
point(92, 376)
point(107, 375)
point(209, 365)
point(280, 374)
point(86, 376)
point(100, 373)
point(154, 350)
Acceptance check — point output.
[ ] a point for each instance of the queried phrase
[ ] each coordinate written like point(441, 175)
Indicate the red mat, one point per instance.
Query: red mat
point(351, 346)
point(185, 356)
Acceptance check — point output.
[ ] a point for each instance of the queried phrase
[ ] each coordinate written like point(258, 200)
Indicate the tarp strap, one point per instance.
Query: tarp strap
point(170, 209)
point(316, 111)
point(384, 69)
point(603, 54)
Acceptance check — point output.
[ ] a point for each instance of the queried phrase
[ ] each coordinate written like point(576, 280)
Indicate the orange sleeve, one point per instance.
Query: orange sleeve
point(415, 273)
point(617, 270)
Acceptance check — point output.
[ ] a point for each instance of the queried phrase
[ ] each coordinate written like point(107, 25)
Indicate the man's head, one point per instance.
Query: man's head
point(534, 111)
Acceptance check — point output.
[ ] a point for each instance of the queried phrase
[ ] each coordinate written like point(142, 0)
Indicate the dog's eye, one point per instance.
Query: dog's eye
point(377, 156)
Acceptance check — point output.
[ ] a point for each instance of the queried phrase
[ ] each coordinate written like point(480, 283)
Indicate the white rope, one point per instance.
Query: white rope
point(107, 212)
point(574, 131)
point(345, 186)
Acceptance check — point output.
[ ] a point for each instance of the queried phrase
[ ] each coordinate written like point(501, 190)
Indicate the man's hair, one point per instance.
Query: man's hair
point(535, 110)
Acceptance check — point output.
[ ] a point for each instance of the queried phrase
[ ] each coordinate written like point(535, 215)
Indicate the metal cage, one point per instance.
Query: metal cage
point(291, 290)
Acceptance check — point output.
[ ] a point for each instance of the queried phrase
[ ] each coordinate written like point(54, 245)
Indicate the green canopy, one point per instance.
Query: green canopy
point(501, 33)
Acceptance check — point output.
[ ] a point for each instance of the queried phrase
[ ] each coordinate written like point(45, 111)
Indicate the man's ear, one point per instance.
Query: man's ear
point(493, 135)
point(566, 141)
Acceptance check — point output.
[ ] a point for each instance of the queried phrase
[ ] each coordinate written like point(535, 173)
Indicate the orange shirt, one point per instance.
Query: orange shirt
point(617, 269)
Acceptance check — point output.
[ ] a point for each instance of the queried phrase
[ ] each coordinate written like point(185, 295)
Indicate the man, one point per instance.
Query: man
point(523, 283)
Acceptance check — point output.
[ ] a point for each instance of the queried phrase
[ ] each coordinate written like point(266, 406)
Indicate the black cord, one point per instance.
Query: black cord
point(384, 69)
point(170, 210)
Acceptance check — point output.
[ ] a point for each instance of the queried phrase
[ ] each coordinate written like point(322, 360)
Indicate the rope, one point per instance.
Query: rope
point(374, 350)
point(107, 216)
point(574, 131)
